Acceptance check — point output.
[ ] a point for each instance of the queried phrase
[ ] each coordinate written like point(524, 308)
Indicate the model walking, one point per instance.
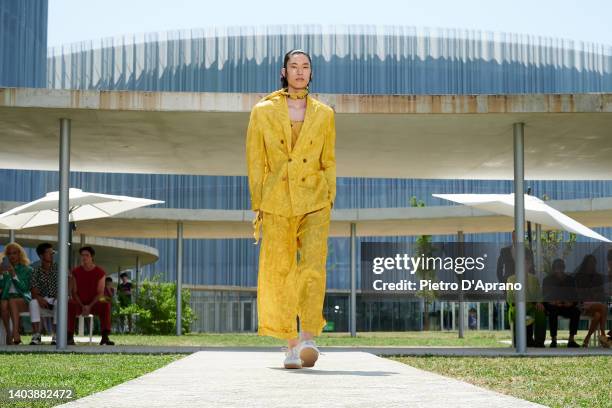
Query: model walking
point(292, 181)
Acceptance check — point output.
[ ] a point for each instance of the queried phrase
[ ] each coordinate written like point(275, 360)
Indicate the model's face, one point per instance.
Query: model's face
point(297, 72)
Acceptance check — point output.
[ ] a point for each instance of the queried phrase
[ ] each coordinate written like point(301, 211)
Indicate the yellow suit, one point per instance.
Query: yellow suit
point(294, 187)
point(291, 180)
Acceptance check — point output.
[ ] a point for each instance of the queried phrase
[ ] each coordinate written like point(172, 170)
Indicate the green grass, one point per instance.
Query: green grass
point(84, 373)
point(584, 381)
point(482, 338)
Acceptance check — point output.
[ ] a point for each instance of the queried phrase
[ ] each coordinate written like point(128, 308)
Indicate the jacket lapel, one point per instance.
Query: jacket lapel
point(308, 118)
point(283, 114)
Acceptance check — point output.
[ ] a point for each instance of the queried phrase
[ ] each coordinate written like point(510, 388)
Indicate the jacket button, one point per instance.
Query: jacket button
point(303, 178)
point(282, 142)
point(311, 142)
point(290, 159)
point(284, 178)
point(304, 160)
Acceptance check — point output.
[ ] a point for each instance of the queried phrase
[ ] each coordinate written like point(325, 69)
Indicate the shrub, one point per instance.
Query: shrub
point(155, 308)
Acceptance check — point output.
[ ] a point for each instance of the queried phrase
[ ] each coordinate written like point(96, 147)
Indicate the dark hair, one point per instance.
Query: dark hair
point(558, 263)
point(89, 249)
point(123, 275)
point(41, 248)
point(109, 279)
point(296, 51)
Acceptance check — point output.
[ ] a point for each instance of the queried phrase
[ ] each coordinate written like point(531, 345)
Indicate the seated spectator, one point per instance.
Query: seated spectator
point(590, 289)
point(560, 300)
point(125, 297)
point(88, 295)
point(535, 312)
point(15, 292)
point(109, 290)
point(44, 289)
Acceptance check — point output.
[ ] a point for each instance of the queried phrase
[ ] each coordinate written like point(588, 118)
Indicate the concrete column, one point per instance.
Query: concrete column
point(453, 325)
point(477, 315)
point(461, 322)
point(11, 237)
point(502, 315)
point(63, 226)
point(490, 325)
point(519, 227)
point(441, 315)
point(179, 276)
point(353, 299)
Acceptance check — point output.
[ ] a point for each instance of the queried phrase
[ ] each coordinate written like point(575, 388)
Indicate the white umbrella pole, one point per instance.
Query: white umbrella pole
point(64, 181)
point(519, 227)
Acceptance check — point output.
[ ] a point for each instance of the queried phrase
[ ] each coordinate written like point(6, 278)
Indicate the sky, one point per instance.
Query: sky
point(78, 20)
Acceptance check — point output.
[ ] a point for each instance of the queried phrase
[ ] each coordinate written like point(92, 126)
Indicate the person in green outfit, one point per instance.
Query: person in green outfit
point(535, 311)
point(15, 295)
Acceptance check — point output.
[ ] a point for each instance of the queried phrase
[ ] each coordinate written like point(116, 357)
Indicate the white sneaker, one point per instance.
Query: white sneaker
point(292, 358)
point(309, 353)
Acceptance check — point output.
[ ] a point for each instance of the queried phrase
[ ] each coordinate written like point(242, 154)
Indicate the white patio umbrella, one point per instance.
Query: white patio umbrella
point(536, 211)
point(82, 206)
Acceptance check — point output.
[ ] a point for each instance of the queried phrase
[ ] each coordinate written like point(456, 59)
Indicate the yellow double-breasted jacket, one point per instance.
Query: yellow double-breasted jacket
point(291, 180)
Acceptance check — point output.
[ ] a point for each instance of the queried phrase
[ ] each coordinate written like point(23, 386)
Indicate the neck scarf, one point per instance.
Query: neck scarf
point(295, 95)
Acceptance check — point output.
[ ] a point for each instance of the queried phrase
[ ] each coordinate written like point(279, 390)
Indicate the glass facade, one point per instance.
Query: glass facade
point(23, 43)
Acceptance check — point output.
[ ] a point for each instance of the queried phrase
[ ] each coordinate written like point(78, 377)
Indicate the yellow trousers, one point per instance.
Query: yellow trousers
point(291, 280)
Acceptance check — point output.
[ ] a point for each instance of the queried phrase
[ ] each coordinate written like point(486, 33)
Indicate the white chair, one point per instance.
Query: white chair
point(82, 325)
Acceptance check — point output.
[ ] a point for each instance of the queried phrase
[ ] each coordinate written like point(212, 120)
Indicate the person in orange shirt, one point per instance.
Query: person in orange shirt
point(290, 150)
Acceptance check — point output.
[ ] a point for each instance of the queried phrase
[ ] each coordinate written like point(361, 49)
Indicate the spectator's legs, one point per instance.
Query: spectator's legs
point(103, 311)
point(573, 313)
point(553, 320)
point(539, 328)
point(4, 307)
point(74, 309)
point(16, 306)
point(35, 315)
point(598, 314)
point(529, 332)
